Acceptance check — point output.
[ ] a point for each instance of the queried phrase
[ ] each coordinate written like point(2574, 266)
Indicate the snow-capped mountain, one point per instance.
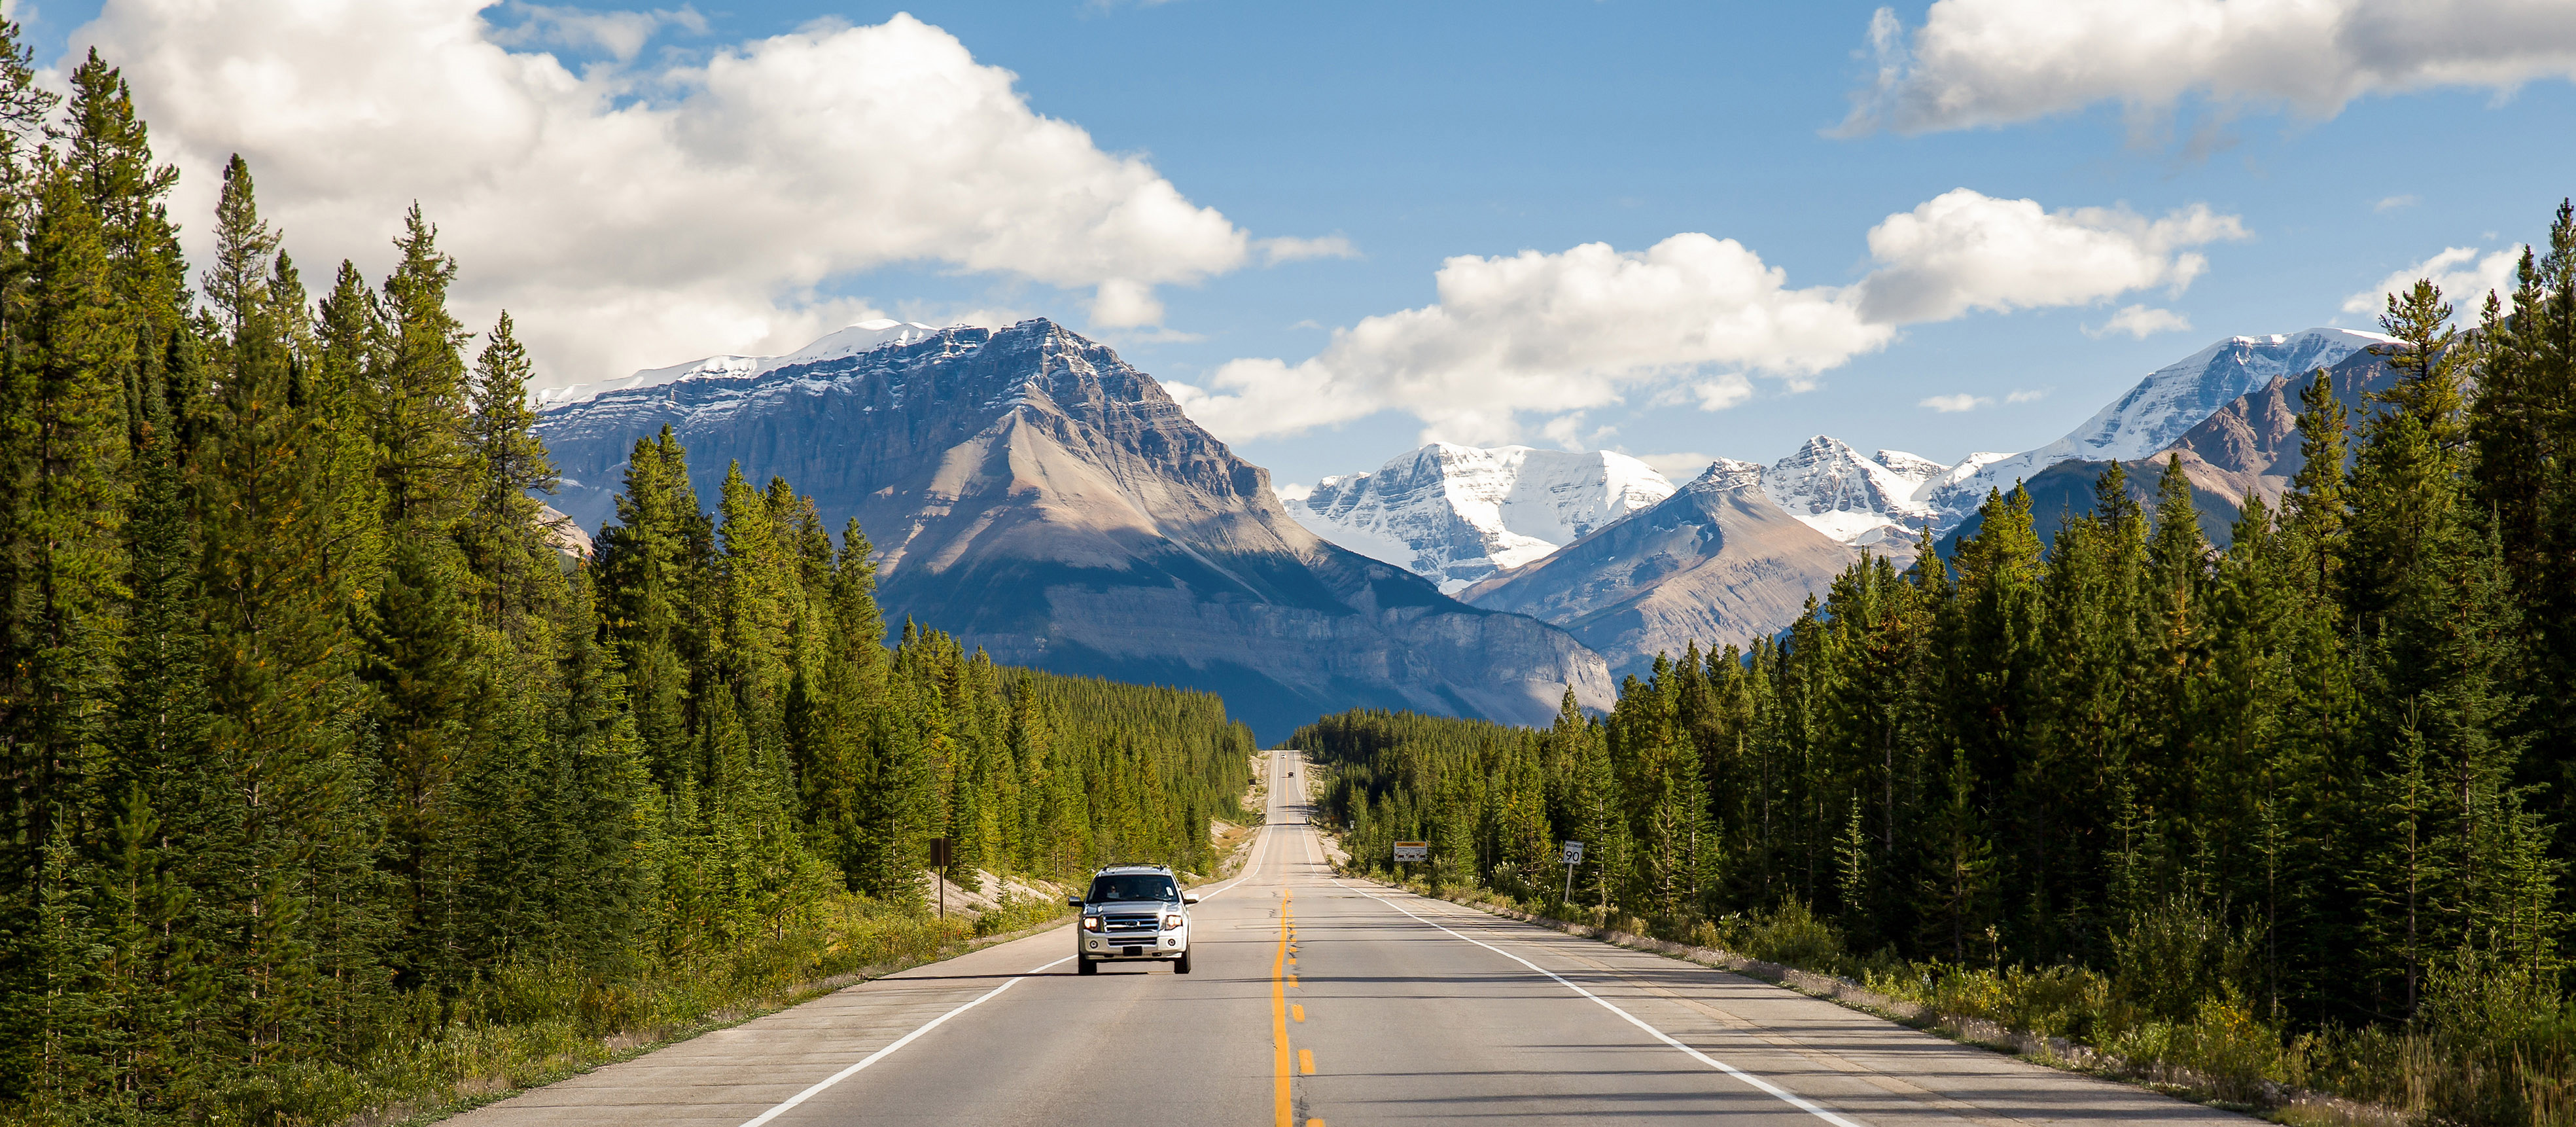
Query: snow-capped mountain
point(862, 337)
point(1874, 502)
point(2159, 410)
point(1717, 563)
point(1456, 514)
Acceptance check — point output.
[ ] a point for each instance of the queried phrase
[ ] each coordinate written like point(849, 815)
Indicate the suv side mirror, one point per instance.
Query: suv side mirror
point(1189, 898)
point(1073, 901)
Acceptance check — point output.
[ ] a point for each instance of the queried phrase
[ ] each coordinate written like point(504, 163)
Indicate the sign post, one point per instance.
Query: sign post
point(940, 857)
point(1413, 851)
point(1573, 857)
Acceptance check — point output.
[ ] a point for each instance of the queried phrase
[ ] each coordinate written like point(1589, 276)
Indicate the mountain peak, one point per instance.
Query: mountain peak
point(1830, 487)
point(1454, 514)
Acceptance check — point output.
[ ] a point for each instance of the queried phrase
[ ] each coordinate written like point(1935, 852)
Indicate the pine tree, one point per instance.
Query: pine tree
point(418, 389)
point(64, 432)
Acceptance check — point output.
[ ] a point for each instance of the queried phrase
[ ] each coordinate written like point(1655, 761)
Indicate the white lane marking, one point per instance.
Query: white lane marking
point(899, 1042)
point(1251, 864)
point(1791, 1098)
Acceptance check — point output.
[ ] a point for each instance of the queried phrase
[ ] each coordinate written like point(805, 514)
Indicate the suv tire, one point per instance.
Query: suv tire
point(1183, 966)
point(1083, 965)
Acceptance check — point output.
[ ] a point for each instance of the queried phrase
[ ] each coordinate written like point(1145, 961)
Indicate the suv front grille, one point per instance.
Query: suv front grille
point(1133, 924)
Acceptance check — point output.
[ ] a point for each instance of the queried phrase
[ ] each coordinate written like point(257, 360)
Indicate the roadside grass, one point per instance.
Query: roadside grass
point(2493, 1047)
point(531, 1026)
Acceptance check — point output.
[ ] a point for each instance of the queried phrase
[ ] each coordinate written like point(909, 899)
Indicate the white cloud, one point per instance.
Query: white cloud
point(2140, 322)
point(1678, 467)
point(2027, 396)
point(1289, 248)
point(2464, 276)
point(1544, 333)
point(1962, 251)
point(1953, 404)
point(1693, 314)
point(2393, 203)
point(634, 217)
point(1994, 62)
point(1722, 391)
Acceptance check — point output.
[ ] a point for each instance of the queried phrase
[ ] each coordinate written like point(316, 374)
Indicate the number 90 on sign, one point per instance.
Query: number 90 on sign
point(1412, 851)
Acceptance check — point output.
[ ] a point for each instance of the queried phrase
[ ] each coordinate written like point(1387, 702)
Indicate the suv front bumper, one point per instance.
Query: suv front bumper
point(1117, 946)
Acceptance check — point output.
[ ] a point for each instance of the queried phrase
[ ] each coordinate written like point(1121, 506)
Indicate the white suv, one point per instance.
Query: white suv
point(1134, 913)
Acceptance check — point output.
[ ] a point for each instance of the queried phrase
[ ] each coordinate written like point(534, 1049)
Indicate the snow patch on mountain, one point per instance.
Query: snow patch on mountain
point(1455, 514)
point(866, 336)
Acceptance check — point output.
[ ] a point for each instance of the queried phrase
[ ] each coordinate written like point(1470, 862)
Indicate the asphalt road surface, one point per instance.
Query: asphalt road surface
point(1325, 1003)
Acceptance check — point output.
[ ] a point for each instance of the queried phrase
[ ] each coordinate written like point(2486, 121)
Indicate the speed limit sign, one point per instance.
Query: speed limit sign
point(1573, 853)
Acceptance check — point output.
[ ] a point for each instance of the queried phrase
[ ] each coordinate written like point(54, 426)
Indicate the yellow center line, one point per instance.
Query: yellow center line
point(1306, 1062)
point(1299, 1013)
point(1279, 1016)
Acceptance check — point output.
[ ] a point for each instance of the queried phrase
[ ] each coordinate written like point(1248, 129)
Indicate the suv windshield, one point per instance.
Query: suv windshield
point(1133, 886)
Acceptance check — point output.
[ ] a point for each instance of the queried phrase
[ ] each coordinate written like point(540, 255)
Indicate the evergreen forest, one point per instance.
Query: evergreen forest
point(2299, 810)
point(332, 775)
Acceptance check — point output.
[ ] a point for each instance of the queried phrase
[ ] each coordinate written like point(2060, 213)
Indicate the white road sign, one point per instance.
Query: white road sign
point(1412, 851)
point(1573, 853)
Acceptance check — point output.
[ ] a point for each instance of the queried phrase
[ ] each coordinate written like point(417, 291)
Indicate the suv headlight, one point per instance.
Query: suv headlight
point(1172, 923)
point(1090, 923)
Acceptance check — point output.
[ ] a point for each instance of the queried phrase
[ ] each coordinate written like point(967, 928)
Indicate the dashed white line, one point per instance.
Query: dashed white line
point(1784, 1095)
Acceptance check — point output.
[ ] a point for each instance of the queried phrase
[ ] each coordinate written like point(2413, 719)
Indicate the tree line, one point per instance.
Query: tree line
point(2323, 774)
point(312, 729)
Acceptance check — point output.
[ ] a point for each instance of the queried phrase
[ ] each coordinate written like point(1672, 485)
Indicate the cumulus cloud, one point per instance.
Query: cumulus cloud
point(2140, 322)
point(1692, 317)
point(2032, 396)
point(635, 216)
point(1953, 404)
point(1963, 251)
point(2465, 276)
point(1995, 62)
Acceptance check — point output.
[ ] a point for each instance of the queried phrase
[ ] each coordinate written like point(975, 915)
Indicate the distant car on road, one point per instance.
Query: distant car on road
point(1133, 913)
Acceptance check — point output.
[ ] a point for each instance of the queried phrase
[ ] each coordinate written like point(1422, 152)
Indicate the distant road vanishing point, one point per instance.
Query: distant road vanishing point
point(1326, 1003)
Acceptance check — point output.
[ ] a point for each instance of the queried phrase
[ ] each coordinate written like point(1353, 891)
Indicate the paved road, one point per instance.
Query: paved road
point(1319, 1002)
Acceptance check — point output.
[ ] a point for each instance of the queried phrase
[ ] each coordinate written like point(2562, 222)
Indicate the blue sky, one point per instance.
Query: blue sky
point(1422, 131)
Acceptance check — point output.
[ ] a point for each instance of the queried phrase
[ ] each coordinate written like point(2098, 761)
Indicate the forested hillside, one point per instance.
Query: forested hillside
point(325, 778)
point(2316, 784)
